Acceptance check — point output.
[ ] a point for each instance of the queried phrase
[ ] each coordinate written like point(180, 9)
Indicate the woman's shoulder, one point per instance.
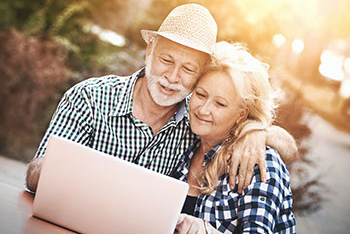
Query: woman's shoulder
point(277, 172)
point(274, 162)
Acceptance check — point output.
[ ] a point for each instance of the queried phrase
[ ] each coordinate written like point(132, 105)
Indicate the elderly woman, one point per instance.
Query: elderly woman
point(233, 98)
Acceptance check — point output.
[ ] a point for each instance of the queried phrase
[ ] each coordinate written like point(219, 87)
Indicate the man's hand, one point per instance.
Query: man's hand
point(247, 152)
point(283, 142)
point(33, 173)
point(187, 224)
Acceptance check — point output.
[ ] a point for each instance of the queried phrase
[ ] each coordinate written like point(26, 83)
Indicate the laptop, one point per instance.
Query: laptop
point(87, 191)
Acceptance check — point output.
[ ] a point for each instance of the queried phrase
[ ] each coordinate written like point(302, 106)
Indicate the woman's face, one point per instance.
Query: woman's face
point(214, 107)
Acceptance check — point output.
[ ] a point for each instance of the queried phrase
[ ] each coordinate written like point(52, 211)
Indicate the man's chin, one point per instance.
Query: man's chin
point(165, 101)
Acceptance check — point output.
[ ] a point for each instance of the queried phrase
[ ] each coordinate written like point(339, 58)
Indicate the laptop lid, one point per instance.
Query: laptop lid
point(91, 192)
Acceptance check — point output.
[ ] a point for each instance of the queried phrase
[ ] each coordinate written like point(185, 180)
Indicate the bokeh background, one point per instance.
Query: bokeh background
point(46, 46)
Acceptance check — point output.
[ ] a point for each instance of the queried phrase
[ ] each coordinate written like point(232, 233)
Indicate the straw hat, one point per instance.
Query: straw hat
point(190, 25)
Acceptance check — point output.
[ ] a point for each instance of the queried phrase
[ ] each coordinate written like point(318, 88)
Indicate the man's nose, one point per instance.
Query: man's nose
point(173, 75)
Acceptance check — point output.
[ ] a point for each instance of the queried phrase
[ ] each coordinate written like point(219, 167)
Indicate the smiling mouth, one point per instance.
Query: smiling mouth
point(202, 120)
point(167, 90)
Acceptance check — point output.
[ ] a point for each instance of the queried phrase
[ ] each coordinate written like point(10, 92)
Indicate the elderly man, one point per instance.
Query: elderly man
point(143, 118)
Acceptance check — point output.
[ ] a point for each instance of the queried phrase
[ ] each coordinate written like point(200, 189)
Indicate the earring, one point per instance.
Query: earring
point(231, 136)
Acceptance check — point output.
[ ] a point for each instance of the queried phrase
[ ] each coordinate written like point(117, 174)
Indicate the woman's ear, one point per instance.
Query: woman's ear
point(242, 116)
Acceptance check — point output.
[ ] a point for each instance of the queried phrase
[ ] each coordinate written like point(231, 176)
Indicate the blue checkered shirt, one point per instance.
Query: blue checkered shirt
point(263, 207)
point(98, 113)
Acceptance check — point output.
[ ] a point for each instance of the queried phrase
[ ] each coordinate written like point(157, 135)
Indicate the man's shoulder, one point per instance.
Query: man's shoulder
point(109, 82)
point(104, 84)
point(98, 88)
point(113, 81)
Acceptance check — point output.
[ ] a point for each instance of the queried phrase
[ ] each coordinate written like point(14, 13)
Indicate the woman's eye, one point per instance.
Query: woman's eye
point(221, 104)
point(200, 94)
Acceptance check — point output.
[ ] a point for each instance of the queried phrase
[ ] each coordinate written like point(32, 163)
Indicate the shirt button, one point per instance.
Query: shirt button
point(262, 199)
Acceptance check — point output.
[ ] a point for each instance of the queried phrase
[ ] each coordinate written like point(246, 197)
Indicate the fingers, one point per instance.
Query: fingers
point(247, 153)
point(181, 225)
point(238, 159)
point(188, 224)
point(33, 173)
point(250, 170)
point(180, 219)
point(262, 167)
point(233, 169)
point(256, 157)
point(197, 227)
point(242, 172)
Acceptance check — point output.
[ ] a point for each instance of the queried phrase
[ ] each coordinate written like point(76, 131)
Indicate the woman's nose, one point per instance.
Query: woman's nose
point(205, 108)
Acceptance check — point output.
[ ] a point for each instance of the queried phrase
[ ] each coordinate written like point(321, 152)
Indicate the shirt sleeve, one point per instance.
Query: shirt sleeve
point(257, 211)
point(265, 206)
point(72, 119)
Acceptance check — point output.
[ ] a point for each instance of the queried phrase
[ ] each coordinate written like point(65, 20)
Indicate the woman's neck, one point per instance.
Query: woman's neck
point(207, 145)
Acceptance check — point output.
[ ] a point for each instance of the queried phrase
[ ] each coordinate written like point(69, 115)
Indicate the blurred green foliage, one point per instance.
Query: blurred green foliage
point(65, 23)
point(45, 48)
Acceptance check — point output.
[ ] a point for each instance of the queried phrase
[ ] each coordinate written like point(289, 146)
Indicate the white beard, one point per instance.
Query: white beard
point(160, 98)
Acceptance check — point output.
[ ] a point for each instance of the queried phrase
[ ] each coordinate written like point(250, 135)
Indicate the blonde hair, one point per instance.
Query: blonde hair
point(251, 79)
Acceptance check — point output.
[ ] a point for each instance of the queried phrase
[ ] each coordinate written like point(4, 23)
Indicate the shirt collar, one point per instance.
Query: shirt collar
point(210, 155)
point(207, 157)
point(181, 113)
point(187, 109)
point(125, 96)
point(125, 100)
point(176, 118)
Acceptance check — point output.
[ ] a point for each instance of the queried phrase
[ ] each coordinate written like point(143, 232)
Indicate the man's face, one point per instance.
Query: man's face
point(172, 70)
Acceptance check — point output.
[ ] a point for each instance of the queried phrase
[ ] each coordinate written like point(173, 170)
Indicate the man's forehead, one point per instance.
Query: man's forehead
point(174, 49)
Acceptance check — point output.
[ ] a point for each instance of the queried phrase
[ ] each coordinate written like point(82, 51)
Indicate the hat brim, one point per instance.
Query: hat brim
point(147, 35)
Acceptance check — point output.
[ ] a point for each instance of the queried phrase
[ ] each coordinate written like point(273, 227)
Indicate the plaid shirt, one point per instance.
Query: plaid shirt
point(263, 207)
point(98, 113)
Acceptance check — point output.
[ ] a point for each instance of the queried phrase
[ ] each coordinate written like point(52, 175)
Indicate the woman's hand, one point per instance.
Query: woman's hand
point(188, 224)
point(247, 152)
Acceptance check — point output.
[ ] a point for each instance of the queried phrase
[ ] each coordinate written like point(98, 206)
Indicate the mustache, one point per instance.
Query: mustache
point(164, 82)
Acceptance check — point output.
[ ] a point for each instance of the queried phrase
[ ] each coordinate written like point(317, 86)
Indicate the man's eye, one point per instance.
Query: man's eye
point(189, 70)
point(166, 61)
